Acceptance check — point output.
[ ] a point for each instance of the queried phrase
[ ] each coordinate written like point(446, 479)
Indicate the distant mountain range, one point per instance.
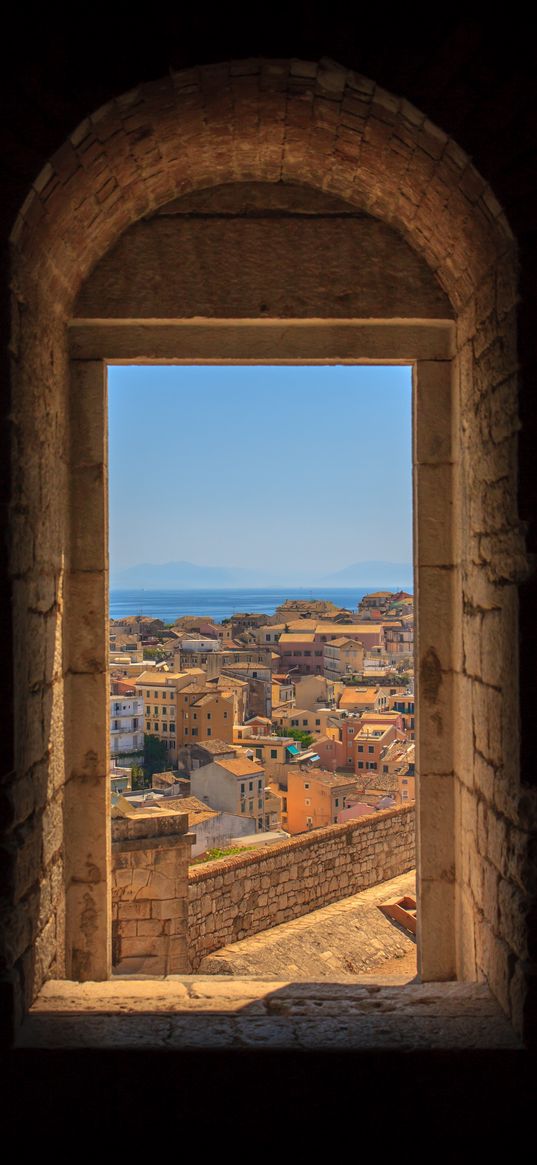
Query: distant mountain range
point(374, 574)
point(190, 576)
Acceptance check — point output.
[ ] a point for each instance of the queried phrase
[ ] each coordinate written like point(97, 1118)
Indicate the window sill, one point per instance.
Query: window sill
point(222, 1012)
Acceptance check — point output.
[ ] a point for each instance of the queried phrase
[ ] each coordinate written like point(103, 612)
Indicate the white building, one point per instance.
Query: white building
point(126, 728)
point(232, 785)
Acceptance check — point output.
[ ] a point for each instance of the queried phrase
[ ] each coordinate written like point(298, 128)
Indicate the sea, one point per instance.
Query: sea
point(222, 603)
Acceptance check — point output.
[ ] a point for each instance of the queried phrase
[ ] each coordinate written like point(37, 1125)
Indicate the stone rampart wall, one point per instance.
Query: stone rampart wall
point(242, 895)
point(150, 858)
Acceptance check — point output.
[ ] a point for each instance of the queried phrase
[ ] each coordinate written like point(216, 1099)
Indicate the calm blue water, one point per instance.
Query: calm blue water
point(220, 604)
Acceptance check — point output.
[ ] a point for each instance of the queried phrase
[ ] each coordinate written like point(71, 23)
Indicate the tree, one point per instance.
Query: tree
point(156, 653)
point(304, 738)
point(138, 777)
point(154, 755)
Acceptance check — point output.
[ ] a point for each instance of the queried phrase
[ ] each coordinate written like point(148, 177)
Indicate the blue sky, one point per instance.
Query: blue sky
point(226, 465)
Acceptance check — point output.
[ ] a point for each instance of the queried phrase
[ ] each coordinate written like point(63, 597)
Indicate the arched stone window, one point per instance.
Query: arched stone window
point(441, 296)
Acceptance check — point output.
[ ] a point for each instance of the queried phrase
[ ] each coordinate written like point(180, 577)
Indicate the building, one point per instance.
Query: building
point(140, 626)
point(304, 649)
point(269, 634)
point(330, 752)
point(305, 609)
point(297, 651)
point(212, 828)
point(399, 637)
point(259, 725)
point(405, 705)
point(283, 690)
point(126, 728)
point(195, 755)
point(376, 600)
point(369, 744)
point(305, 720)
point(218, 660)
point(358, 699)
point(258, 677)
point(120, 779)
point(314, 798)
point(244, 623)
point(343, 657)
point(316, 691)
point(121, 643)
point(193, 650)
point(273, 751)
point(206, 713)
point(236, 785)
point(180, 708)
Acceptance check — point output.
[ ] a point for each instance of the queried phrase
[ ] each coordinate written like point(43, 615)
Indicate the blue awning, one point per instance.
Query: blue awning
point(292, 748)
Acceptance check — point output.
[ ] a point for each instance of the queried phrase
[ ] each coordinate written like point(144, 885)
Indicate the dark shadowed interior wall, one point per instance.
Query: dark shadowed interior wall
point(77, 194)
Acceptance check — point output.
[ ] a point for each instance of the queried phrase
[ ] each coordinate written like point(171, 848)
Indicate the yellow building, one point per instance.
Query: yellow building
point(179, 709)
point(363, 699)
point(342, 657)
point(314, 722)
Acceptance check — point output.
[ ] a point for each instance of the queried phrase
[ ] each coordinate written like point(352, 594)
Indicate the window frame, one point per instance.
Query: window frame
point(428, 347)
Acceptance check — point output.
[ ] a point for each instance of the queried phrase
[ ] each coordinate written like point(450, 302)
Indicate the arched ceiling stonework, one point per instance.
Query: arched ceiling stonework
point(262, 120)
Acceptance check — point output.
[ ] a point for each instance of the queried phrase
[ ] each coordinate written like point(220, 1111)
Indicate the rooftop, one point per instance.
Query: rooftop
point(296, 637)
point(240, 767)
point(342, 642)
point(350, 629)
point(358, 696)
point(152, 678)
point(325, 777)
point(197, 810)
point(215, 747)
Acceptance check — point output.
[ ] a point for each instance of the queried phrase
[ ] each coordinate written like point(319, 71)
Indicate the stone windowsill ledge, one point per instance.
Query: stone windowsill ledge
point(222, 1012)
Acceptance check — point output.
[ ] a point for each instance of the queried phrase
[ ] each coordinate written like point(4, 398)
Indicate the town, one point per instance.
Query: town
point(263, 727)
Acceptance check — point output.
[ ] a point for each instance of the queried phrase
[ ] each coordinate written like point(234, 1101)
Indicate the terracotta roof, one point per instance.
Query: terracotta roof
point(341, 642)
point(209, 697)
point(229, 682)
point(358, 696)
point(296, 637)
point(216, 747)
point(243, 665)
point(301, 625)
point(240, 767)
point(324, 777)
point(351, 629)
point(294, 712)
point(197, 810)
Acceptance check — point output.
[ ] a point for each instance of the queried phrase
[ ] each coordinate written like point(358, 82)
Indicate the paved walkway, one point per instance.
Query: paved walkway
point(348, 938)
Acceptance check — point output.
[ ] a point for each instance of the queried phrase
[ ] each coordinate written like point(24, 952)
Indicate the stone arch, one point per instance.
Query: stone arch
point(329, 128)
point(271, 121)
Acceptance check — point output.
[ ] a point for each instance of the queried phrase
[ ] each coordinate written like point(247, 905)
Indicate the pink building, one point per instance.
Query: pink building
point(330, 752)
point(359, 809)
point(303, 651)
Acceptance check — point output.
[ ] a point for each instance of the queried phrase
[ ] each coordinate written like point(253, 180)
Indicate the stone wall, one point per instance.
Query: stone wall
point(150, 856)
point(240, 896)
point(272, 121)
point(494, 814)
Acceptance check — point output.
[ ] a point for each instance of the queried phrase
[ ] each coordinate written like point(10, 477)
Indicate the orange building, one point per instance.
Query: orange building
point(180, 708)
point(315, 797)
